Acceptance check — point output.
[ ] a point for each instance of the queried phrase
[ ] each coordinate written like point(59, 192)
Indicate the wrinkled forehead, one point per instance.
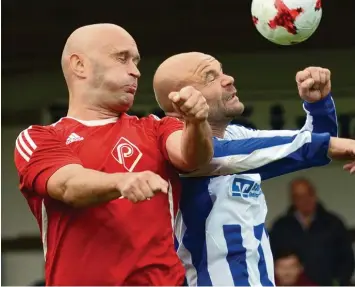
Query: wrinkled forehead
point(119, 42)
point(202, 63)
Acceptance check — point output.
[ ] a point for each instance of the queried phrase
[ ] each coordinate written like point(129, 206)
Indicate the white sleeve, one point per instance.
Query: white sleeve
point(269, 156)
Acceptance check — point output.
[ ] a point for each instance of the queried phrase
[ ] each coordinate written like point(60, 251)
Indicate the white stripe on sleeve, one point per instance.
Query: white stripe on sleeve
point(23, 148)
point(231, 164)
point(24, 145)
point(28, 138)
point(20, 151)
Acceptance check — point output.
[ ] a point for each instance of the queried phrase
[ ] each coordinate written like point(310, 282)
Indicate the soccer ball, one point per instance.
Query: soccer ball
point(286, 22)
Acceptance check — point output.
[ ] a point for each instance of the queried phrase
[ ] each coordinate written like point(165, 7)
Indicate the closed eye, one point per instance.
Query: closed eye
point(121, 57)
point(125, 56)
point(210, 76)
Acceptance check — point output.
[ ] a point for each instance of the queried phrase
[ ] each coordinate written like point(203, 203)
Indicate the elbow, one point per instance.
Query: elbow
point(70, 199)
point(71, 195)
point(69, 185)
point(70, 202)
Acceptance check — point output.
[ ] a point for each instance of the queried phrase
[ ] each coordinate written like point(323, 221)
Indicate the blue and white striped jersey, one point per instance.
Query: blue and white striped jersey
point(220, 233)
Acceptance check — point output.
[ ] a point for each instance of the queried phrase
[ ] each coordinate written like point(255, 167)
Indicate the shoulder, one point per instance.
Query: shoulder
point(156, 122)
point(238, 132)
point(31, 139)
point(42, 133)
point(144, 123)
point(165, 120)
point(33, 135)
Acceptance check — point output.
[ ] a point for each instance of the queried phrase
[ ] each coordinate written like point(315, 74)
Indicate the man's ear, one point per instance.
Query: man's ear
point(77, 65)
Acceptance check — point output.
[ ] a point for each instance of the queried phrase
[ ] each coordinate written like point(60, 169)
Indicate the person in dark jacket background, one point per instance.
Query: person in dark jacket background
point(322, 241)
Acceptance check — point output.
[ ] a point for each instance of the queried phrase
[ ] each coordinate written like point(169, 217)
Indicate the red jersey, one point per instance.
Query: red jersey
point(115, 243)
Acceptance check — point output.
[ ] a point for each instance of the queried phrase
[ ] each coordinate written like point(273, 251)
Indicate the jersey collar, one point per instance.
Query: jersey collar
point(95, 123)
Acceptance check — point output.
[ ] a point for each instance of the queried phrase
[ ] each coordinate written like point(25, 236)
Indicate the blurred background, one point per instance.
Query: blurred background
point(34, 92)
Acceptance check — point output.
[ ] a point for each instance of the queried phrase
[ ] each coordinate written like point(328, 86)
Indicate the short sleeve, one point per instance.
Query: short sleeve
point(39, 153)
point(165, 127)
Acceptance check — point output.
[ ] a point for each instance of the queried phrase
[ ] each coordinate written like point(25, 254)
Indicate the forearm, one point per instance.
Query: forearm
point(269, 156)
point(196, 145)
point(321, 116)
point(80, 187)
point(342, 149)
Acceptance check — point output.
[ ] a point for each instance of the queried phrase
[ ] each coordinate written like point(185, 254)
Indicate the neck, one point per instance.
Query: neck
point(306, 219)
point(218, 129)
point(90, 113)
point(87, 111)
point(306, 216)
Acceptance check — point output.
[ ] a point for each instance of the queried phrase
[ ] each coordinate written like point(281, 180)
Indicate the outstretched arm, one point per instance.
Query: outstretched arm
point(192, 147)
point(275, 156)
point(47, 167)
point(314, 88)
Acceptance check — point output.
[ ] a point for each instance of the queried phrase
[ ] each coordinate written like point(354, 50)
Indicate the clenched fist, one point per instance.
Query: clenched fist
point(313, 83)
point(190, 104)
point(139, 186)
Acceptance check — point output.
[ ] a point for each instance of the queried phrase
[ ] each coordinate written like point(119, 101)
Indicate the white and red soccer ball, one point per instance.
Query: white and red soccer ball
point(286, 22)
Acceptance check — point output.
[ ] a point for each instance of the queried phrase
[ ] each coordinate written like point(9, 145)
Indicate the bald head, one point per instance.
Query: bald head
point(205, 74)
point(89, 39)
point(175, 73)
point(100, 67)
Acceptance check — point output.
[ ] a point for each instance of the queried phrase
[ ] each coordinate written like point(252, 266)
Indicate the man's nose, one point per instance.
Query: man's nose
point(134, 71)
point(227, 81)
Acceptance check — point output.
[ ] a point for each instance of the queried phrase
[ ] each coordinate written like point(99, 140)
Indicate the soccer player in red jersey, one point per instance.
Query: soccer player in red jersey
point(87, 178)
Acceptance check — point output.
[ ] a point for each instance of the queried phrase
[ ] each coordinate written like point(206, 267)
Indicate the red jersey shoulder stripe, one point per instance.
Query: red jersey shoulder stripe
point(25, 145)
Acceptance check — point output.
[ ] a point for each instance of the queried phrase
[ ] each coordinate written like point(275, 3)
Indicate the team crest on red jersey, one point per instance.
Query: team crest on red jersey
point(127, 154)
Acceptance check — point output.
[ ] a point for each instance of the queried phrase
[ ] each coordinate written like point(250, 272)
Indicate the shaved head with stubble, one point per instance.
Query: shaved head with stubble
point(99, 63)
point(205, 74)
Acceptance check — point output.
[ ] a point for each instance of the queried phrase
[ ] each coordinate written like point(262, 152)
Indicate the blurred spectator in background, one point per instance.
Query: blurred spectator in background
point(319, 236)
point(289, 270)
point(243, 120)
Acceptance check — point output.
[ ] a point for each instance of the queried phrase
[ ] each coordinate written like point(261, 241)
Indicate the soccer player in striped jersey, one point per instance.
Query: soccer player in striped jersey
point(220, 229)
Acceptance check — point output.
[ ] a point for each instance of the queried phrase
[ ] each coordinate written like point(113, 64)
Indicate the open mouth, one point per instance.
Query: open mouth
point(232, 97)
